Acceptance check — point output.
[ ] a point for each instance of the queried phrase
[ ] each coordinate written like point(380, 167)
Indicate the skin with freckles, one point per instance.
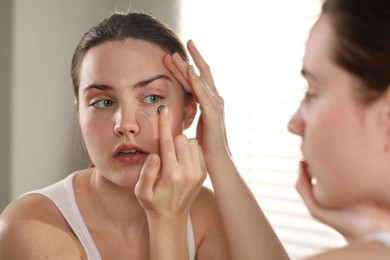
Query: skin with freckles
point(134, 88)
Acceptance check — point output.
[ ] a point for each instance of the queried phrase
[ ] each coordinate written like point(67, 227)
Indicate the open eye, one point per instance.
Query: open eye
point(152, 99)
point(102, 103)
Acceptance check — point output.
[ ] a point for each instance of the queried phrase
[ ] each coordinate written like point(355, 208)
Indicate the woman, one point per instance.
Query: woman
point(344, 123)
point(144, 189)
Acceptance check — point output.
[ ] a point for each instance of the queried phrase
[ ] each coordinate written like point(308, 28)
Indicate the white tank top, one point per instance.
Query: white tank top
point(382, 237)
point(62, 195)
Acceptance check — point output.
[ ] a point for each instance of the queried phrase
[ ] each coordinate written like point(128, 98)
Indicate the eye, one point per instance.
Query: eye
point(102, 103)
point(152, 99)
point(309, 96)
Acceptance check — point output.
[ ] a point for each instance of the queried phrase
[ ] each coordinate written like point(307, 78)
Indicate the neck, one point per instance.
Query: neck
point(118, 204)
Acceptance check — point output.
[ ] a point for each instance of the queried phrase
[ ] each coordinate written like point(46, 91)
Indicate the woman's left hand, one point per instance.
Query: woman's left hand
point(211, 131)
point(354, 222)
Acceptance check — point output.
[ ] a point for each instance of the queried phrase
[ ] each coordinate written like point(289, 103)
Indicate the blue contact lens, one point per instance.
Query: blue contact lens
point(160, 108)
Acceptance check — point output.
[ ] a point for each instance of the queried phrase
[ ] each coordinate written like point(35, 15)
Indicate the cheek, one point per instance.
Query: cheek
point(326, 126)
point(148, 121)
point(94, 131)
point(176, 120)
point(332, 149)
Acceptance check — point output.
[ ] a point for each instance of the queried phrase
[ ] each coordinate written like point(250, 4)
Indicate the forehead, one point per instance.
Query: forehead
point(119, 60)
point(319, 46)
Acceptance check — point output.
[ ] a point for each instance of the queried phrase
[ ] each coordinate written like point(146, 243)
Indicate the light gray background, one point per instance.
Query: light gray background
point(40, 141)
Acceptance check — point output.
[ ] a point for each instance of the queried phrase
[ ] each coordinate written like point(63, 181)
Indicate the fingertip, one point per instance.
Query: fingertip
point(190, 43)
point(167, 60)
point(159, 109)
point(178, 57)
point(163, 111)
point(167, 57)
point(152, 159)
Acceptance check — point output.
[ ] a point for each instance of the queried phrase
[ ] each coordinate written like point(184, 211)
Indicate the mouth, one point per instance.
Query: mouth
point(130, 154)
point(129, 151)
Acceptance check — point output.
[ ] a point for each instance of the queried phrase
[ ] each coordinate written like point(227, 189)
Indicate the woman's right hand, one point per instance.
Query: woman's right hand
point(167, 187)
point(354, 223)
point(169, 183)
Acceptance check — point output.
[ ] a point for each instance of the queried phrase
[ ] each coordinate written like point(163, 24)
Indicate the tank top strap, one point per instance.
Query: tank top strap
point(62, 195)
point(382, 237)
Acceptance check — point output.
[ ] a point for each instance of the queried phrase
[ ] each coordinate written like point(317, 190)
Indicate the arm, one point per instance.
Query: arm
point(249, 234)
point(167, 190)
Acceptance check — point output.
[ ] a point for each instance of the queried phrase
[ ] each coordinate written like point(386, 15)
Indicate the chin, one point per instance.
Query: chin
point(329, 199)
point(129, 180)
point(125, 179)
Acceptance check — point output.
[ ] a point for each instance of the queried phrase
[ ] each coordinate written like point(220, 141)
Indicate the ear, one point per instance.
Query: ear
point(385, 113)
point(191, 109)
point(76, 105)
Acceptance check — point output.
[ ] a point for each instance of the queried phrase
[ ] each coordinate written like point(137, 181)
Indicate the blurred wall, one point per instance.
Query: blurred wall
point(39, 134)
point(5, 95)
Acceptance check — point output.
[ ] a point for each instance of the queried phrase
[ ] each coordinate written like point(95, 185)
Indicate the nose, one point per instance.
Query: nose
point(296, 124)
point(125, 122)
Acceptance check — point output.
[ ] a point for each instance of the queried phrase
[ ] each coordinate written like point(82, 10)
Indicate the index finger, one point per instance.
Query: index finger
point(202, 65)
point(167, 146)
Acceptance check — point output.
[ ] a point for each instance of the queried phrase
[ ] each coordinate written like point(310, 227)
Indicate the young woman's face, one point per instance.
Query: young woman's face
point(342, 139)
point(122, 83)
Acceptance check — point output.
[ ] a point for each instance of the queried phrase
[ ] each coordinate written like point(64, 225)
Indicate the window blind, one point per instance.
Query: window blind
point(255, 50)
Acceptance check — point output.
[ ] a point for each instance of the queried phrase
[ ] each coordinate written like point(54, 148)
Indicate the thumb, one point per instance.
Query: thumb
point(144, 189)
point(304, 187)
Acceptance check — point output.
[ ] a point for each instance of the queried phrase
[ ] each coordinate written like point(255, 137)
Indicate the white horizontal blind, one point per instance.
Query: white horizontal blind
point(255, 49)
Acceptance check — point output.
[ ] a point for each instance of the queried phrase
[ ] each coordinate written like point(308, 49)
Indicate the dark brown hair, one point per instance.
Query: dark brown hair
point(119, 27)
point(362, 29)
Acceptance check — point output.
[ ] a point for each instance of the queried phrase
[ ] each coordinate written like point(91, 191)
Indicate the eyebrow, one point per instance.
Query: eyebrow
point(142, 83)
point(148, 81)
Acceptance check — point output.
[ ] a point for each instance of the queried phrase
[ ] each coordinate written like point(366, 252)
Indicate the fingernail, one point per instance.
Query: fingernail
point(192, 42)
point(159, 109)
point(152, 159)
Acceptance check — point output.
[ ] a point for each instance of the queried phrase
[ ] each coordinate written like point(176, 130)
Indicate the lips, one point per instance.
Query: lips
point(130, 154)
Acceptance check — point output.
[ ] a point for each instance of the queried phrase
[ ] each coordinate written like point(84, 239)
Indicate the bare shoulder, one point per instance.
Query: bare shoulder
point(205, 203)
point(372, 250)
point(31, 227)
point(204, 212)
point(208, 228)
